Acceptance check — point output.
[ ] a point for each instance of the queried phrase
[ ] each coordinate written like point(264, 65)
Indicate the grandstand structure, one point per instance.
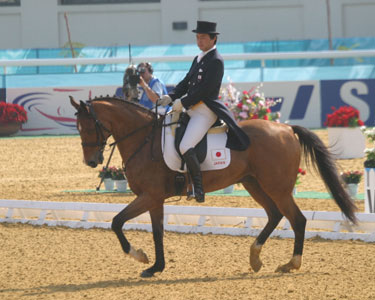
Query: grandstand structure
point(41, 23)
point(294, 47)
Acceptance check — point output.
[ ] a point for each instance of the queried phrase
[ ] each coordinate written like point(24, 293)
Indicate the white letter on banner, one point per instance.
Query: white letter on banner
point(347, 96)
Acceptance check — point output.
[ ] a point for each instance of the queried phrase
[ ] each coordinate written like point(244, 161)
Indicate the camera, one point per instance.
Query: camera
point(134, 79)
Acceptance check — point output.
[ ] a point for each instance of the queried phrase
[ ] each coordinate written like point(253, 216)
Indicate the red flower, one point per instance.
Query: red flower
point(345, 116)
point(10, 112)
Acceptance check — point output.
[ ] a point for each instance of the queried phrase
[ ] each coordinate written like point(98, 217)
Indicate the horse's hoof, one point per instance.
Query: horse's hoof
point(283, 269)
point(256, 265)
point(255, 262)
point(138, 255)
point(294, 264)
point(146, 274)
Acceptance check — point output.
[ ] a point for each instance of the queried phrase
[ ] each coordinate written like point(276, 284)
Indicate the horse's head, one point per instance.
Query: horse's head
point(93, 133)
point(129, 88)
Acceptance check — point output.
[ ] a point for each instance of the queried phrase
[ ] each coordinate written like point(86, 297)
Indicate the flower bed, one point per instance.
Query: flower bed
point(10, 113)
point(12, 116)
point(249, 105)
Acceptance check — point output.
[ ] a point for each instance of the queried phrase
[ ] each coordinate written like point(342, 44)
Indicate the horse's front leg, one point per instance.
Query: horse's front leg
point(157, 218)
point(134, 209)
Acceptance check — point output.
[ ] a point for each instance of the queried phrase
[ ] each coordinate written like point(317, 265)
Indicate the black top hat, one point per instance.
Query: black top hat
point(206, 27)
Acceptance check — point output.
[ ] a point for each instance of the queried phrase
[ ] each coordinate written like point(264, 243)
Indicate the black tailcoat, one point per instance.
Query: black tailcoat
point(202, 83)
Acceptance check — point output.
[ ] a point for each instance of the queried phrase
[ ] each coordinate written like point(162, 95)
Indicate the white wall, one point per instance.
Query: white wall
point(40, 23)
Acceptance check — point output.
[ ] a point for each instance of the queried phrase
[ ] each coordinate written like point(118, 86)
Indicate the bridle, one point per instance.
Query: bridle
point(101, 140)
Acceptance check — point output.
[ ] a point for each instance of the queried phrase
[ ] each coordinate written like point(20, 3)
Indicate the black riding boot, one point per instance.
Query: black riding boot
point(194, 169)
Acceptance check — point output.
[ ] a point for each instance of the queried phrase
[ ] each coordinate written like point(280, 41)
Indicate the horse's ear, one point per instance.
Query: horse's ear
point(74, 103)
point(83, 106)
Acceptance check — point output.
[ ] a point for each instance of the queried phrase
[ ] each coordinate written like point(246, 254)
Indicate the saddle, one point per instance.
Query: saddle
point(178, 130)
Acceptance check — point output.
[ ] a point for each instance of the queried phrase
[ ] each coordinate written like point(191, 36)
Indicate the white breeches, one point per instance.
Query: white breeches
point(201, 119)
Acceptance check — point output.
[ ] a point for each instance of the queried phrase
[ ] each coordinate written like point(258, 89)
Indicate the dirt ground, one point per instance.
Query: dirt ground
point(61, 263)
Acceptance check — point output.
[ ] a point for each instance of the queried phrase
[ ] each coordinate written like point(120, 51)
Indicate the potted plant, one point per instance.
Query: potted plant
point(352, 179)
point(106, 174)
point(301, 172)
point(346, 139)
point(370, 152)
point(119, 178)
point(369, 165)
point(12, 116)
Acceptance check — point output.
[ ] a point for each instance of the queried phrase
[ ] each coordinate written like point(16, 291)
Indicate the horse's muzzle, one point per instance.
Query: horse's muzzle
point(92, 164)
point(96, 160)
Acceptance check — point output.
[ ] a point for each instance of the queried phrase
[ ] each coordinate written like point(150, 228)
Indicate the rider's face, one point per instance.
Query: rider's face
point(204, 41)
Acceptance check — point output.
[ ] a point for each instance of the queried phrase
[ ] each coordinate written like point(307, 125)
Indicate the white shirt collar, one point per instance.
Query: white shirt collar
point(202, 54)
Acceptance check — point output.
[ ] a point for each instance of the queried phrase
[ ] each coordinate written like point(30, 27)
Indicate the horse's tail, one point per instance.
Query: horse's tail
point(322, 160)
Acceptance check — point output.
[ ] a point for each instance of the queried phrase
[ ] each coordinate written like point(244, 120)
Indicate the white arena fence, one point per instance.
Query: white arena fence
point(262, 57)
point(185, 219)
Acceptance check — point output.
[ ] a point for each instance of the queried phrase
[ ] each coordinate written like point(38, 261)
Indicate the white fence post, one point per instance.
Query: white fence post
point(369, 190)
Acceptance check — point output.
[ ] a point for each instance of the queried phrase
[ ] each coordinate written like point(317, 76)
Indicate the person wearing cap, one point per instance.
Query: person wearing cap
point(198, 94)
point(152, 88)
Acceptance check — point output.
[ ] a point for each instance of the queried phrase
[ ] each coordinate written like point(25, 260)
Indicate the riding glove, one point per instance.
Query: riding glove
point(177, 105)
point(164, 100)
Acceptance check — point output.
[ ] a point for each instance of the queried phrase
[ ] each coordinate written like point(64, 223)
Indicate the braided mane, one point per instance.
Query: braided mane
point(125, 102)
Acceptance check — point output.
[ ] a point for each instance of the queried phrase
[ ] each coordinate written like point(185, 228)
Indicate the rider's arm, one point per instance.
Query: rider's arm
point(151, 94)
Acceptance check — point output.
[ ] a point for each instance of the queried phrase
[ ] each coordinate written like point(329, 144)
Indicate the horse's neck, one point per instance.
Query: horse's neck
point(125, 120)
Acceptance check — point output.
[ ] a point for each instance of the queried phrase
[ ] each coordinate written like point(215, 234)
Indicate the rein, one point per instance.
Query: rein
point(100, 128)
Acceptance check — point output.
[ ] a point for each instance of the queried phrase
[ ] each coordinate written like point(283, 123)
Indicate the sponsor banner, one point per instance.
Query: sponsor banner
point(304, 103)
point(307, 103)
point(359, 94)
point(49, 110)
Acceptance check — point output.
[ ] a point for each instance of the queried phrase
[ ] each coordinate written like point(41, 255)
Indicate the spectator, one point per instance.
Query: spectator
point(152, 88)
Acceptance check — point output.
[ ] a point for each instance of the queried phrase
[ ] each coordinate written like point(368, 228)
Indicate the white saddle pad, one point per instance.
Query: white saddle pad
point(218, 156)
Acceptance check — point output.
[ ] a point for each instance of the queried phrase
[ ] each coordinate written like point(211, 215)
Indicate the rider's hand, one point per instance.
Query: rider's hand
point(164, 100)
point(177, 105)
point(142, 82)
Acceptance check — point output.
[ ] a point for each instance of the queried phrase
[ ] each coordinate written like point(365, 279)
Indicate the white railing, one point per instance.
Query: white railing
point(179, 58)
point(262, 57)
point(185, 219)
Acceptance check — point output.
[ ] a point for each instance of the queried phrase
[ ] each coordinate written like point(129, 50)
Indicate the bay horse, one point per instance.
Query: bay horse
point(267, 170)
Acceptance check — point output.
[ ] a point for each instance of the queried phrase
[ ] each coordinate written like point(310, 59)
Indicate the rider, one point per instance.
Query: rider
point(152, 88)
point(198, 93)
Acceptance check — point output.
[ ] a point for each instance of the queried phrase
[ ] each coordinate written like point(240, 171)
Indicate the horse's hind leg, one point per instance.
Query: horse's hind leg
point(298, 222)
point(274, 217)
